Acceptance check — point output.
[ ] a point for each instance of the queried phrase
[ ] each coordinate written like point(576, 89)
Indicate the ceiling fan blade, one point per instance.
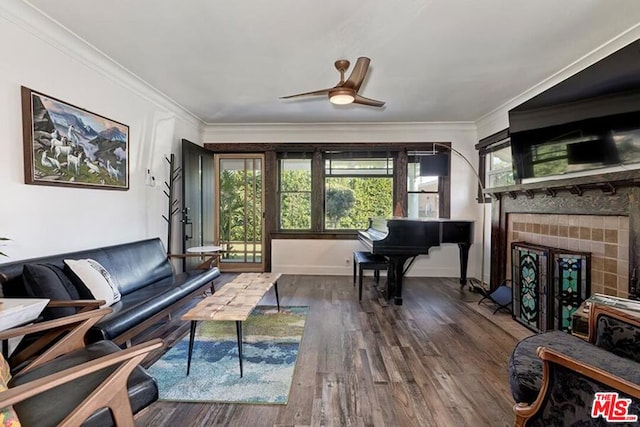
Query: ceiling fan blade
point(315, 92)
point(367, 101)
point(358, 74)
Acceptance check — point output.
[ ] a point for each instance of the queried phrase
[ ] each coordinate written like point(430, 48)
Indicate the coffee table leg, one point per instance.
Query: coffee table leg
point(239, 332)
point(275, 286)
point(192, 335)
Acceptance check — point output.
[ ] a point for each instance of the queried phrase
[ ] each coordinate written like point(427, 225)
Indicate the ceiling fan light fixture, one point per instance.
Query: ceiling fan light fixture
point(341, 96)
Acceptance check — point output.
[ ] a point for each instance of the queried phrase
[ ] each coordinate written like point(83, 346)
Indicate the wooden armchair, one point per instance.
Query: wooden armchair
point(70, 383)
point(574, 370)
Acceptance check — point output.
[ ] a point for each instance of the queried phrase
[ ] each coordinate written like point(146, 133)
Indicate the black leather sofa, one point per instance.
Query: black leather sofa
point(146, 279)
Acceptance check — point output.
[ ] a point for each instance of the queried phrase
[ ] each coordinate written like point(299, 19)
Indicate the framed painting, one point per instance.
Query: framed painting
point(68, 146)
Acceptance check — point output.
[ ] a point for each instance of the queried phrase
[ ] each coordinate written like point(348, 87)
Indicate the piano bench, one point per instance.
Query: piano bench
point(367, 261)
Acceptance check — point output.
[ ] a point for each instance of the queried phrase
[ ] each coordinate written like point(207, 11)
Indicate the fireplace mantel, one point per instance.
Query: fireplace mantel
point(605, 194)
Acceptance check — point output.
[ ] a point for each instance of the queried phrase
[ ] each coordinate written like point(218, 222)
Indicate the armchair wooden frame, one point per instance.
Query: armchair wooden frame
point(53, 329)
point(549, 356)
point(111, 393)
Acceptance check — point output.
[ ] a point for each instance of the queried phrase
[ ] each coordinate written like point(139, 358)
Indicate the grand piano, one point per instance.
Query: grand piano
point(401, 239)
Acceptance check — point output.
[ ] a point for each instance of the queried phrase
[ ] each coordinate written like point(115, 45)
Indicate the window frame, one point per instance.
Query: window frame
point(443, 206)
point(295, 156)
point(485, 146)
point(273, 151)
point(361, 156)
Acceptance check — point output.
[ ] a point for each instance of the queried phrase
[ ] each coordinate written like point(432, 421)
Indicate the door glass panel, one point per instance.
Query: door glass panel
point(240, 210)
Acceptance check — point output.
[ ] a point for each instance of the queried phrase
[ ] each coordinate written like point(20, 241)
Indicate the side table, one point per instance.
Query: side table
point(211, 251)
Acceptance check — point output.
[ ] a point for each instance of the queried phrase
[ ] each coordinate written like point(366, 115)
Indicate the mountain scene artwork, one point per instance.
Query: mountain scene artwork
point(70, 146)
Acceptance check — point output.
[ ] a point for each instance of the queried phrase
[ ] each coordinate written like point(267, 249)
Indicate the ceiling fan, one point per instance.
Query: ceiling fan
point(346, 91)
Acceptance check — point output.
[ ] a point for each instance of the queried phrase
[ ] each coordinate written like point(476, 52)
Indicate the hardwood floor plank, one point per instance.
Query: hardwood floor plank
point(438, 360)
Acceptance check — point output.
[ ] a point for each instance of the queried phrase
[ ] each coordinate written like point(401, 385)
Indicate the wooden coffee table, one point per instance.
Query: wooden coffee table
point(233, 302)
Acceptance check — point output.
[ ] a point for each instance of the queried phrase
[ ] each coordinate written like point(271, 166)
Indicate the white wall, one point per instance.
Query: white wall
point(330, 257)
point(42, 220)
point(498, 119)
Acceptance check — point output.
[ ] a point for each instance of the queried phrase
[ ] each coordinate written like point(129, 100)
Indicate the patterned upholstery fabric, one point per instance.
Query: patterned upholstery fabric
point(570, 395)
point(618, 337)
point(525, 368)
point(8, 416)
point(570, 398)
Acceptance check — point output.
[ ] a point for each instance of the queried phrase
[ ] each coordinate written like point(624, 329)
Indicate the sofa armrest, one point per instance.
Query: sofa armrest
point(569, 384)
point(112, 392)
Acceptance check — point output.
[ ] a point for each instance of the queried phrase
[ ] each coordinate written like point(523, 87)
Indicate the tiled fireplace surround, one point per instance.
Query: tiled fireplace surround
point(605, 237)
point(598, 214)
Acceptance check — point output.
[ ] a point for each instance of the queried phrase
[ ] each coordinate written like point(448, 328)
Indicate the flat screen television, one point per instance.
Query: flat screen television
point(585, 123)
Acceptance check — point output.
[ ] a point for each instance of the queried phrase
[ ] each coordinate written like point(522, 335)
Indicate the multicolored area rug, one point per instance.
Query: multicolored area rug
point(270, 349)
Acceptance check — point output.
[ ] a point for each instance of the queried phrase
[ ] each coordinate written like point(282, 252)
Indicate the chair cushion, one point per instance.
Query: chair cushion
point(91, 274)
point(41, 410)
point(42, 281)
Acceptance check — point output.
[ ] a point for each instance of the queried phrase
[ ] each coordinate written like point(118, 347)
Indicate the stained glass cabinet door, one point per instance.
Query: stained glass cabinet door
point(571, 280)
point(530, 266)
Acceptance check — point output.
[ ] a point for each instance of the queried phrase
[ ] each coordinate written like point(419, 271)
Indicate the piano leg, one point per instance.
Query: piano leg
point(464, 260)
point(394, 278)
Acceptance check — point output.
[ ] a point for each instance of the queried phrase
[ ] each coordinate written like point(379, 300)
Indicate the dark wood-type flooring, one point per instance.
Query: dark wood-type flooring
point(438, 360)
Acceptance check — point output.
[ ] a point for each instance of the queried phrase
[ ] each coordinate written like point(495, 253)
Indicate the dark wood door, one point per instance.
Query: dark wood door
point(198, 209)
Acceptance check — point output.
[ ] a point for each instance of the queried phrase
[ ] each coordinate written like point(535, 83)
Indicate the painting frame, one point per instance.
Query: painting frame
point(69, 146)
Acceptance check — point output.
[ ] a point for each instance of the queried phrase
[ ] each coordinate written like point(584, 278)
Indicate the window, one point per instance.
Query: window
point(355, 190)
point(294, 191)
point(496, 164)
point(423, 193)
point(500, 169)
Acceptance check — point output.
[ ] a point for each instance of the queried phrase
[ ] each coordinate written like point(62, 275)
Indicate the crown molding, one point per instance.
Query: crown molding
point(337, 132)
point(30, 19)
point(497, 119)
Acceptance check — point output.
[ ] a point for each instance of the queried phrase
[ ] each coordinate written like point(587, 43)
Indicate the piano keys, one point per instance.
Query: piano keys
point(401, 239)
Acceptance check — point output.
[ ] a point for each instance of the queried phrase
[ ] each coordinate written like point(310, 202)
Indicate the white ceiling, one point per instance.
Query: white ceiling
point(431, 60)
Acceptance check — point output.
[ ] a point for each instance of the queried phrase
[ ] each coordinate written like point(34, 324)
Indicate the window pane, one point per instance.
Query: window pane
point(423, 200)
point(295, 211)
point(500, 159)
point(295, 175)
point(295, 194)
point(350, 202)
point(500, 170)
point(359, 167)
point(423, 205)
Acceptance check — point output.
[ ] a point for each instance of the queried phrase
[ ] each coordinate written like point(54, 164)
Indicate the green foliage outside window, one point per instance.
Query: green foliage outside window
point(236, 207)
point(372, 197)
point(295, 199)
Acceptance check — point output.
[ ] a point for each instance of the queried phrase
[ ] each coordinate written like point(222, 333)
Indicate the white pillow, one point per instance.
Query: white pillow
point(96, 278)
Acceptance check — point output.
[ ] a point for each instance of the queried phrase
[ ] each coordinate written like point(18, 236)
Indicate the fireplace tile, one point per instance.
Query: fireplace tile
point(611, 236)
point(611, 265)
point(623, 253)
point(610, 281)
point(563, 231)
point(611, 222)
point(585, 233)
point(597, 248)
point(574, 232)
point(610, 251)
point(597, 234)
